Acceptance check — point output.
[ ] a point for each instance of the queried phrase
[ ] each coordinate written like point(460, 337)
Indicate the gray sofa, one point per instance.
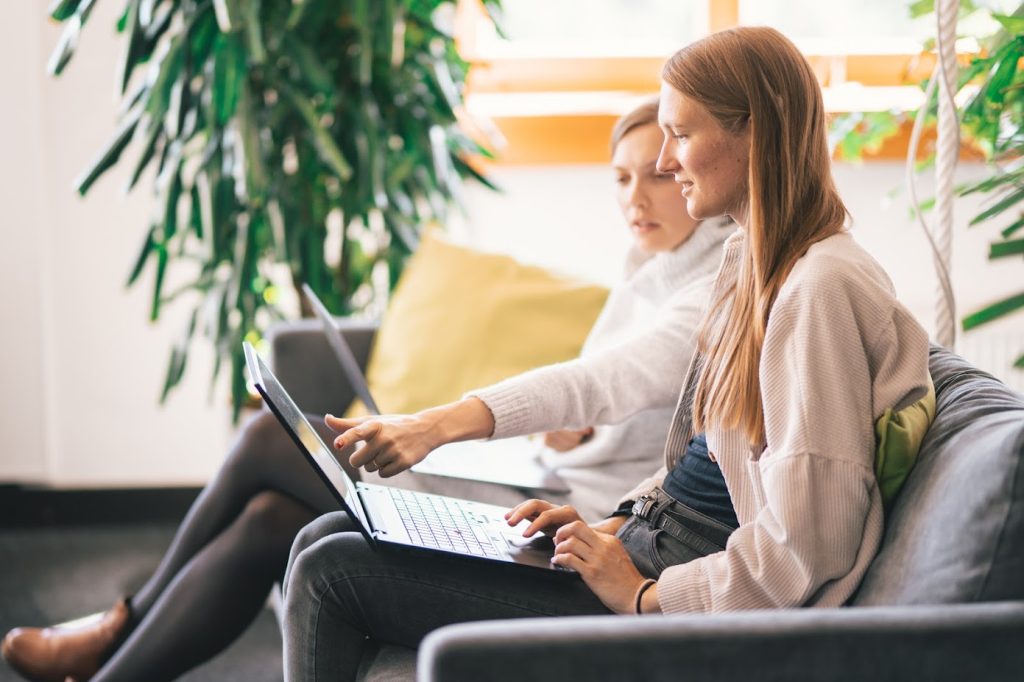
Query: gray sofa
point(943, 600)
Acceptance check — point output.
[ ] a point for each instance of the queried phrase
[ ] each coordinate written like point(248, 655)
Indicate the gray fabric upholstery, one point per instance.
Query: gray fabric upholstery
point(306, 365)
point(881, 644)
point(389, 663)
point(956, 531)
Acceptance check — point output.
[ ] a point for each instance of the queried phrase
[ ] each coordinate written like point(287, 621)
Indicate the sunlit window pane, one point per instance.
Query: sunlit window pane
point(596, 27)
point(858, 26)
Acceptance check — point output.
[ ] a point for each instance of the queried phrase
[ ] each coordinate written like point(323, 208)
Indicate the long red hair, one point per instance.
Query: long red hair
point(755, 76)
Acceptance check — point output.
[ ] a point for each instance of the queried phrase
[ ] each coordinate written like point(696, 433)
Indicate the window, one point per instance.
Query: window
point(865, 26)
point(566, 69)
point(581, 28)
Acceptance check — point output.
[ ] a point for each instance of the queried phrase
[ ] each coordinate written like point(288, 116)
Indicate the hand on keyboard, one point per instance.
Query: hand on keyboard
point(545, 517)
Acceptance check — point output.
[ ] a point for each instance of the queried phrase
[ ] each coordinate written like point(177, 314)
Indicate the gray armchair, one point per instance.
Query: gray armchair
point(943, 600)
point(306, 365)
point(880, 644)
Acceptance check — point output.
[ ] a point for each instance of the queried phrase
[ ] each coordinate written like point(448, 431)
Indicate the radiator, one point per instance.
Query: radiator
point(995, 353)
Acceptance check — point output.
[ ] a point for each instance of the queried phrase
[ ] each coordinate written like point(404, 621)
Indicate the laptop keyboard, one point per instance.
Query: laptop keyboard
point(442, 522)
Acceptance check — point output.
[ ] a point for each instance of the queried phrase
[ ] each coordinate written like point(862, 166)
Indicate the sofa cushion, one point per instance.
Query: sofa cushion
point(899, 435)
point(461, 319)
point(387, 663)
point(956, 531)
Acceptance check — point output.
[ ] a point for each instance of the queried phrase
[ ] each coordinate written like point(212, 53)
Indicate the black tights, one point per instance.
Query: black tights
point(231, 547)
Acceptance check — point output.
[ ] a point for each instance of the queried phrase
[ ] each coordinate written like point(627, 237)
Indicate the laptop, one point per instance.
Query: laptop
point(404, 518)
point(512, 461)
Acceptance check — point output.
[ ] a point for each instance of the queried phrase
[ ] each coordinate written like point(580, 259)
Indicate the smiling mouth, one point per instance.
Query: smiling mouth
point(643, 226)
point(685, 187)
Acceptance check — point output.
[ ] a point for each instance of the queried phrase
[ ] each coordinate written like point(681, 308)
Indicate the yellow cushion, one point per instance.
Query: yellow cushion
point(460, 319)
point(899, 441)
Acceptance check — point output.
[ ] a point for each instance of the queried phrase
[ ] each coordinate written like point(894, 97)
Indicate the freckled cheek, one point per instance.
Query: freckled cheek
point(702, 169)
point(667, 197)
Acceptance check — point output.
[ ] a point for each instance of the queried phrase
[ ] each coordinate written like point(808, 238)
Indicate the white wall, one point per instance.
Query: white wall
point(82, 367)
point(24, 439)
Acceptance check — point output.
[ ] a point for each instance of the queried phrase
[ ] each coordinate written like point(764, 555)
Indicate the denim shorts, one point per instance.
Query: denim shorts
point(664, 532)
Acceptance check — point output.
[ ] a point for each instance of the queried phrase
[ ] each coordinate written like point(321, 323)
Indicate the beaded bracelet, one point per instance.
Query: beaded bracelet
point(644, 586)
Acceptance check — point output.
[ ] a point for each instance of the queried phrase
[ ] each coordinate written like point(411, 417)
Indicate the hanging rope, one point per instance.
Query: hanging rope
point(940, 237)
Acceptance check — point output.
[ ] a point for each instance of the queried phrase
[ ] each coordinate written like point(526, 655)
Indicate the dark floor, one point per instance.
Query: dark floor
point(53, 574)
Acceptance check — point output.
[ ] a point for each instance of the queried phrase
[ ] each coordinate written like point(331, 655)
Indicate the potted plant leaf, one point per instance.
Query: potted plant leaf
point(317, 135)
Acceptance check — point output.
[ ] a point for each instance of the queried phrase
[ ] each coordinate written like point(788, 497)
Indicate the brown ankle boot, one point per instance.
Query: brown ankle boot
point(70, 650)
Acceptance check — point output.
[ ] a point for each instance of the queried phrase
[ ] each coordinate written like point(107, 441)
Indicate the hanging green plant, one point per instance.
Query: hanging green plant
point(315, 134)
point(993, 119)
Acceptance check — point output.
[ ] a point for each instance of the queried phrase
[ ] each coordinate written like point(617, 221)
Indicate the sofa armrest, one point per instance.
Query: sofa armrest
point(938, 643)
point(305, 364)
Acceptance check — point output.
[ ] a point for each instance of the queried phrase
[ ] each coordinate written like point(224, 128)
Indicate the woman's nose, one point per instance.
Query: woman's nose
point(666, 163)
point(637, 196)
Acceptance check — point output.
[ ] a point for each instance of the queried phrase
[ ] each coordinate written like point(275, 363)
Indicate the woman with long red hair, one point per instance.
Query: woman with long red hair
point(803, 348)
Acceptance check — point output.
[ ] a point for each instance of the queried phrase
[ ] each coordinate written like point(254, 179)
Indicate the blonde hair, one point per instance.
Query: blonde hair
point(644, 114)
point(755, 76)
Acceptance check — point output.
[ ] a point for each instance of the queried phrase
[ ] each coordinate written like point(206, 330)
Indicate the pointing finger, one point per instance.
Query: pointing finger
point(364, 432)
point(341, 424)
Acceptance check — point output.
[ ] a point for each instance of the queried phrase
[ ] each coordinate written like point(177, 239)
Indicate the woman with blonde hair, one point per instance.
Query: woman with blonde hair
point(803, 348)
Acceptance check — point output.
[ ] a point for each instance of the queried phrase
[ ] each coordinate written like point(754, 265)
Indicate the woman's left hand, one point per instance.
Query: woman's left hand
point(602, 562)
point(567, 439)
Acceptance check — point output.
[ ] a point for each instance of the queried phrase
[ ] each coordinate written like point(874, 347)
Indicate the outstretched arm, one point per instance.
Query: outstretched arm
point(393, 443)
point(606, 387)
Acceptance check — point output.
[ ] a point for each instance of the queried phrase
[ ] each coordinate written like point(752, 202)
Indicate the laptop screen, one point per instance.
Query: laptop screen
point(291, 417)
point(341, 349)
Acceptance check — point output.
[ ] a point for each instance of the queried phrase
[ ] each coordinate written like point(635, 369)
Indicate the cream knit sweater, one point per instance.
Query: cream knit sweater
point(839, 350)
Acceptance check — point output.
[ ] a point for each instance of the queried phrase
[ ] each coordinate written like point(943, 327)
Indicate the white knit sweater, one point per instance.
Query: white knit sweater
point(839, 350)
point(649, 318)
point(661, 295)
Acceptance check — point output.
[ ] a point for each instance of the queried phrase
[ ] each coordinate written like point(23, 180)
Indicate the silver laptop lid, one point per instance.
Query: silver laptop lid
point(341, 348)
point(308, 440)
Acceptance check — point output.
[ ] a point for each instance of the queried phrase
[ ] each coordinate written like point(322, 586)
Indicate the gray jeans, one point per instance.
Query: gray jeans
point(340, 593)
point(663, 533)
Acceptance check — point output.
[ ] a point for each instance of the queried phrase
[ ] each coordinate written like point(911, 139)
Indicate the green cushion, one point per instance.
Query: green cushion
point(899, 440)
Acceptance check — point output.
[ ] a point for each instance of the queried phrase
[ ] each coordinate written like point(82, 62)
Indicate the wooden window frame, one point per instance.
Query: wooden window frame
point(560, 110)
